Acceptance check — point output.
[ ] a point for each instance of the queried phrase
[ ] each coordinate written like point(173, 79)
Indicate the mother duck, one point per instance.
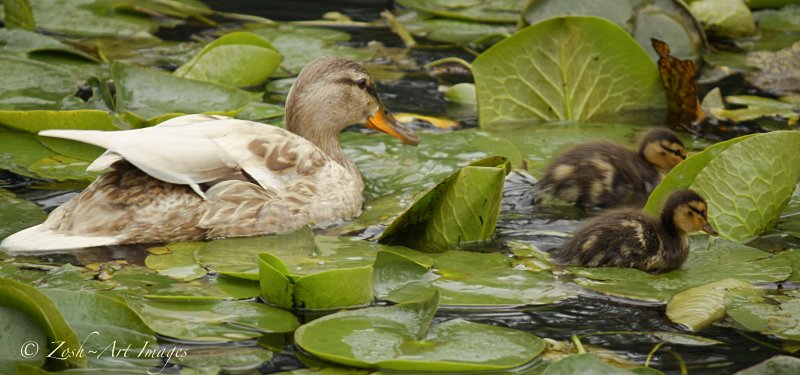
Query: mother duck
point(201, 176)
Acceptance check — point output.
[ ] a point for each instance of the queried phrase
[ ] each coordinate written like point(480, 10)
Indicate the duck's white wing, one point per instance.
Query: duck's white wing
point(195, 149)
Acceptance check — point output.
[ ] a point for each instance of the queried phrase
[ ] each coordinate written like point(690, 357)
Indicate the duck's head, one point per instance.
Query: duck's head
point(686, 211)
point(662, 148)
point(332, 93)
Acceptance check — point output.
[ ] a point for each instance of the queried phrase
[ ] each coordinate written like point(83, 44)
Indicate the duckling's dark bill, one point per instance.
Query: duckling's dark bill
point(385, 122)
point(710, 230)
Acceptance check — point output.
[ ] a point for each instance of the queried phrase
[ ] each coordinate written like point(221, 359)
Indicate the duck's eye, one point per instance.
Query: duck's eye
point(362, 83)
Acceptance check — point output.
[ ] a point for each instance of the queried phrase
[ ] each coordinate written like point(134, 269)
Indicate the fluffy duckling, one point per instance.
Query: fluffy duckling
point(629, 238)
point(607, 174)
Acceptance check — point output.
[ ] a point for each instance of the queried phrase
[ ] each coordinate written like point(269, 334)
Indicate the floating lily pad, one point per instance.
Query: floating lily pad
point(18, 15)
point(770, 314)
point(28, 42)
point(591, 364)
point(454, 31)
point(177, 261)
point(149, 93)
point(491, 11)
point(105, 326)
point(471, 195)
point(90, 18)
point(229, 359)
point(29, 84)
point(777, 365)
point(237, 59)
point(776, 72)
point(39, 309)
point(401, 337)
point(18, 330)
point(725, 18)
point(667, 20)
point(757, 107)
point(698, 307)
point(211, 321)
point(17, 214)
point(709, 261)
point(393, 271)
point(300, 45)
point(565, 68)
point(256, 111)
point(21, 153)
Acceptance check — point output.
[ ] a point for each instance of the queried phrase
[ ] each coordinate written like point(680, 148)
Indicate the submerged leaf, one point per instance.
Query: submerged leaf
point(401, 337)
point(472, 195)
point(564, 68)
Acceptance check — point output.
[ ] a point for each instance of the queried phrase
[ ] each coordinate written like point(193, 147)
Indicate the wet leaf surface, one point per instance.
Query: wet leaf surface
point(697, 308)
point(771, 314)
point(776, 72)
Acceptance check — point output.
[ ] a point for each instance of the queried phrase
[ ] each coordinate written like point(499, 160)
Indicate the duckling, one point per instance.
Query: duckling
point(607, 174)
point(629, 238)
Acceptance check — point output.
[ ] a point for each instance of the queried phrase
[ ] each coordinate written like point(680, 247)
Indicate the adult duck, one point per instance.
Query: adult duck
point(199, 177)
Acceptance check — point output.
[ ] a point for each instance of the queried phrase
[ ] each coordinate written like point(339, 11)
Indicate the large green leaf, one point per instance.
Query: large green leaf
point(461, 209)
point(565, 68)
point(18, 330)
point(667, 20)
point(211, 321)
point(491, 11)
point(18, 15)
point(300, 45)
point(105, 326)
point(29, 84)
point(36, 306)
point(17, 214)
point(698, 307)
point(748, 185)
point(683, 175)
point(709, 261)
point(237, 59)
point(770, 314)
point(149, 93)
point(401, 337)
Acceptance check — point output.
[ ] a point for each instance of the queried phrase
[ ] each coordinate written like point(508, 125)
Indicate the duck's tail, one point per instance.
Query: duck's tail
point(38, 238)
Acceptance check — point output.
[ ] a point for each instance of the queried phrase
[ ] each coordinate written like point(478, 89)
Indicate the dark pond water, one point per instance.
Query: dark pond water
point(598, 320)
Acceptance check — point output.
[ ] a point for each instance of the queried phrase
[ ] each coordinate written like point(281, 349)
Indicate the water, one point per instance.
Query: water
point(587, 317)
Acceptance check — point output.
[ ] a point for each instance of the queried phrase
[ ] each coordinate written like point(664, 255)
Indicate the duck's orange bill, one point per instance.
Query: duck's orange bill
point(710, 230)
point(382, 120)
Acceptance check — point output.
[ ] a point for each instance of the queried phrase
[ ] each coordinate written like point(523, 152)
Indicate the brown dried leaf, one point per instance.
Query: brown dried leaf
point(678, 77)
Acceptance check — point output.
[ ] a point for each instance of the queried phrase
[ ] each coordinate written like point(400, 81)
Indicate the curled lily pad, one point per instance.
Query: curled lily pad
point(491, 11)
point(401, 337)
point(211, 321)
point(698, 307)
point(667, 20)
point(563, 68)
point(237, 59)
point(770, 314)
point(708, 261)
point(35, 305)
point(472, 195)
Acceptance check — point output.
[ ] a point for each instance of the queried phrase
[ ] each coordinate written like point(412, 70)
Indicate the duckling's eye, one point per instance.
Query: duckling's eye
point(362, 83)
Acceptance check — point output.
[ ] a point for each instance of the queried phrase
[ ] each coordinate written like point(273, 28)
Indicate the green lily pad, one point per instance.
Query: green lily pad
point(18, 330)
point(257, 111)
point(18, 15)
point(300, 45)
point(777, 365)
point(401, 337)
point(591, 364)
point(491, 11)
point(89, 18)
point(697, 308)
point(563, 68)
point(229, 359)
point(748, 185)
point(784, 19)
point(237, 59)
point(322, 290)
point(667, 20)
point(21, 153)
point(28, 42)
point(178, 261)
point(149, 93)
point(393, 271)
point(462, 93)
point(29, 84)
point(726, 18)
point(709, 261)
point(471, 195)
point(211, 321)
point(240, 255)
point(105, 326)
point(757, 107)
point(793, 256)
point(684, 174)
point(770, 314)
point(36, 306)
point(454, 31)
point(17, 214)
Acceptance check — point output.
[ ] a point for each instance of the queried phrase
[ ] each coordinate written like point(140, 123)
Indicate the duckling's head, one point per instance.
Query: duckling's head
point(662, 148)
point(685, 211)
point(332, 93)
